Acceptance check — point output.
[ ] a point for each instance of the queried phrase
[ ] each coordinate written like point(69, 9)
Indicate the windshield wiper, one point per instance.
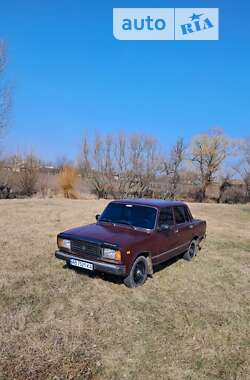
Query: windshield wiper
point(107, 220)
point(125, 222)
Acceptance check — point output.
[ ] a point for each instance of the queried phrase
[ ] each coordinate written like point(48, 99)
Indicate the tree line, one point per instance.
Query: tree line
point(126, 165)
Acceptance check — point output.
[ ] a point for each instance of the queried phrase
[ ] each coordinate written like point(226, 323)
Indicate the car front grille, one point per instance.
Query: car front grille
point(80, 247)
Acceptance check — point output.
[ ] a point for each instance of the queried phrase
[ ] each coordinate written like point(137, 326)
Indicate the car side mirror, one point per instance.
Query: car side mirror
point(164, 227)
point(97, 216)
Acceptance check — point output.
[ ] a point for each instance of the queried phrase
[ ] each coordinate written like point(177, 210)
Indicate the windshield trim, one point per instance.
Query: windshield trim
point(134, 204)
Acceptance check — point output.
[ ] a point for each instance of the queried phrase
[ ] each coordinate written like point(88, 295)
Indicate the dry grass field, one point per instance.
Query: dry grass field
point(190, 321)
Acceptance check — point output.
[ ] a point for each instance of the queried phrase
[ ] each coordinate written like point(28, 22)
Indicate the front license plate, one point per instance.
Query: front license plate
point(81, 264)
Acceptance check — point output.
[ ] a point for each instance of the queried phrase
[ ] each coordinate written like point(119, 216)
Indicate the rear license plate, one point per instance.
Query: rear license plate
point(81, 264)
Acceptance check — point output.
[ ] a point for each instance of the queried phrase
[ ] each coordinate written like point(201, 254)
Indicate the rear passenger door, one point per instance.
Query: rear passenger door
point(183, 230)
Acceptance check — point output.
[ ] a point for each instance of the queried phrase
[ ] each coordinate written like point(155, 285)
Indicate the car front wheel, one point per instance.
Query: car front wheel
point(138, 274)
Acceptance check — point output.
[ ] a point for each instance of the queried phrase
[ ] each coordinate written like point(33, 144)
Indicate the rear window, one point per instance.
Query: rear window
point(138, 216)
point(181, 214)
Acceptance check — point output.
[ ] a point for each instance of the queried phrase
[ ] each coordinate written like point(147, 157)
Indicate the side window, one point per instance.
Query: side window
point(166, 217)
point(179, 213)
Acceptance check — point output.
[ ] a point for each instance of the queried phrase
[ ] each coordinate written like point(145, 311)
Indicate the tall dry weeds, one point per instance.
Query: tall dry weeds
point(67, 181)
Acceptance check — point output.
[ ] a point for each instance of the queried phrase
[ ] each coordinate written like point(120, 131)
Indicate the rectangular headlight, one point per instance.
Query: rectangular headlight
point(111, 254)
point(64, 243)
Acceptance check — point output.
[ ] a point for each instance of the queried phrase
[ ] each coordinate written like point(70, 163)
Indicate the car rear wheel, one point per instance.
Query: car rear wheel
point(191, 252)
point(138, 274)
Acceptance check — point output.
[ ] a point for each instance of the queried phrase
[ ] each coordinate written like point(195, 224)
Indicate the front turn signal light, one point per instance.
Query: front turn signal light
point(118, 255)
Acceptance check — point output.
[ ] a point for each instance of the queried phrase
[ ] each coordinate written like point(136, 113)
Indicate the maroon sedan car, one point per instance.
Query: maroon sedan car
point(131, 236)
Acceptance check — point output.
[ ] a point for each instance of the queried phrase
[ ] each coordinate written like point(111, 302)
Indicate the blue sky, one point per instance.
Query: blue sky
point(70, 75)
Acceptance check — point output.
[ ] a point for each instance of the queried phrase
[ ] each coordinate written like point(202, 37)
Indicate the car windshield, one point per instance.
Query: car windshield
point(133, 215)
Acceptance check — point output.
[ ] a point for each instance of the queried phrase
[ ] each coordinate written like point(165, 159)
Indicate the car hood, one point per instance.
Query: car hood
point(108, 233)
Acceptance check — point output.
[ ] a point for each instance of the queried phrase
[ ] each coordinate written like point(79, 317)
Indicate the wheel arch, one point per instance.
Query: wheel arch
point(148, 256)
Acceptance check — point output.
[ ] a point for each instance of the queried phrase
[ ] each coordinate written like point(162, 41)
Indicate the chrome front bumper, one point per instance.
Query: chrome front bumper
point(116, 269)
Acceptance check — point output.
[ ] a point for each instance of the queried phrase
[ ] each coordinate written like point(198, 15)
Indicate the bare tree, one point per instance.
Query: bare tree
point(172, 166)
point(243, 167)
point(143, 164)
point(152, 163)
point(98, 155)
point(5, 92)
point(28, 175)
point(102, 173)
point(108, 154)
point(120, 152)
point(93, 161)
point(121, 164)
point(5, 97)
point(151, 156)
point(136, 143)
point(5, 105)
point(84, 164)
point(208, 152)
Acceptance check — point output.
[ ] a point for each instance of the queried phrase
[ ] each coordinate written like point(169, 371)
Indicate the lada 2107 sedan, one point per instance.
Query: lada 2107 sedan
point(131, 236)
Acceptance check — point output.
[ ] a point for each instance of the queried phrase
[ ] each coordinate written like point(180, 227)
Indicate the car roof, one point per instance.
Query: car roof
point(158, 203)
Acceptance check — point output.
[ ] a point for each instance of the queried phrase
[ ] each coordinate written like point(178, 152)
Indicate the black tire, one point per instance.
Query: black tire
point(192, 251)
point(138, 274)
